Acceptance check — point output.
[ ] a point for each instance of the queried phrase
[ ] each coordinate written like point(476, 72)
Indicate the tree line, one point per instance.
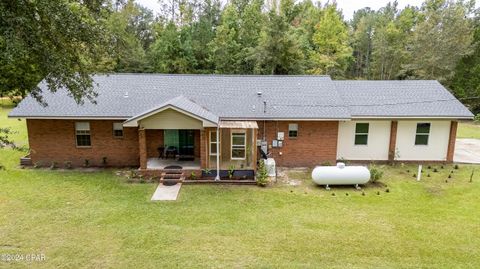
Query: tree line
point(64, 42)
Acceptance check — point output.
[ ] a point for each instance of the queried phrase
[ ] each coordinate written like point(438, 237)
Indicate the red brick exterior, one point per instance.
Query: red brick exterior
point(142, 148)
point(451, 141)
point(154, 140)
point(54, 141)
point(316, 142)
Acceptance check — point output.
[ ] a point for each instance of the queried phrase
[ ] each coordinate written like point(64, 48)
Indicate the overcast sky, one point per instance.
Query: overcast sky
point(348, 6)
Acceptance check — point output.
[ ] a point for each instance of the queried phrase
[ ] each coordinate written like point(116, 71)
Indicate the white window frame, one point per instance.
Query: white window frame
point(290, 128)
point(213, 142)
point(244, 146)
point(355, 135)
point(83, 131)
point(424, 134)
point(116, 129)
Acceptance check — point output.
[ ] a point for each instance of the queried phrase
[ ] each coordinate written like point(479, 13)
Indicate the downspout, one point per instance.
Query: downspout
point(217, 177)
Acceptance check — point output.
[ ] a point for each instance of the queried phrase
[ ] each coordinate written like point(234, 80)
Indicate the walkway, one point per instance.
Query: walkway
point(166, 193)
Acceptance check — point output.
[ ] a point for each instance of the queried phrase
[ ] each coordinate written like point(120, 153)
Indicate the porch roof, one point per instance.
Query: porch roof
point(238, 124)
point(181, 104)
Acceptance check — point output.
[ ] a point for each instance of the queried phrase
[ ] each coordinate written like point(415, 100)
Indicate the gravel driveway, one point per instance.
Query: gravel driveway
point(467, 151)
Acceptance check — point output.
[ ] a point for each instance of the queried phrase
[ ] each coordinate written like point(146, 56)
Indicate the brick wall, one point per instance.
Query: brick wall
point(54, 140)
point(316, 142)
point(154, 140)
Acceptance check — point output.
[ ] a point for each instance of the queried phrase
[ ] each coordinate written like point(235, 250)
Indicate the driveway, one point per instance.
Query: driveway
point(467, 150)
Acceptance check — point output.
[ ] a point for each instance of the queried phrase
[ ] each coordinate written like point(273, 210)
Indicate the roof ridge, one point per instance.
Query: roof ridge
point(207, 75)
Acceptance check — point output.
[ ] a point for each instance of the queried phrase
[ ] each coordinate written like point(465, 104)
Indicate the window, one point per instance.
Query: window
point(292, 130)
point(238, 145)
point(117, 129)
point(361, 134)
point(423, 131)
point(82, 133)
point(213, 143)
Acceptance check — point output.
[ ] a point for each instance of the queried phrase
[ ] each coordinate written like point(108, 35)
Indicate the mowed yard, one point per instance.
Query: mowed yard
point(98, 220)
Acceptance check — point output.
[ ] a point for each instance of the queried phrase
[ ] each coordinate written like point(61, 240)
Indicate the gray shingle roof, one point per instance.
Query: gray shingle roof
point(400, 98)
point(184, 104)
point(235, 97)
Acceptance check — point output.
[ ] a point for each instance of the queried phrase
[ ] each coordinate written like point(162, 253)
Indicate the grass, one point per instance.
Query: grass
point(97, 220)
point(468, 130)
point(18, 126)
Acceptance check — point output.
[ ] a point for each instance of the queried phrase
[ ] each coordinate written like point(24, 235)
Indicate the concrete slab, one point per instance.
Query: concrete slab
point(467, 150)
point(166, 193)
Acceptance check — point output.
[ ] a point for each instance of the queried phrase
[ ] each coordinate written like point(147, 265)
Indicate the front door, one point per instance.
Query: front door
point(186, 142)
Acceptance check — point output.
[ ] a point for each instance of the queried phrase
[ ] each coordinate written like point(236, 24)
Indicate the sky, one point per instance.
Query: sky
point(347, 6)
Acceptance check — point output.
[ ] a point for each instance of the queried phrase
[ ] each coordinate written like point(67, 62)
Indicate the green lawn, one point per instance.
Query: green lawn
point(468, 130)
point(97, 220)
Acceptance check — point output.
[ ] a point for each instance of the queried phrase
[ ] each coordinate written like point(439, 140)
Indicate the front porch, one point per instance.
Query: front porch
point(165, 164)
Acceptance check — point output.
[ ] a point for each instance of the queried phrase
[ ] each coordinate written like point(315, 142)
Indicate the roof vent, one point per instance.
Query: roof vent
point(259, 94)
point(125, 95)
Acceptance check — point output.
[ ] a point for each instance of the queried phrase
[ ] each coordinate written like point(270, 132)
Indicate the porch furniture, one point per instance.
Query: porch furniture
point(161, 151)
point(171, 151)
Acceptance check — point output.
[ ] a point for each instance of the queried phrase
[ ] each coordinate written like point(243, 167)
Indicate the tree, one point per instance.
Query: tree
point(466, 81)
point(278, 52)
point(441, 38)
point(171, 52)
point(225, 50)
point(60, 42)
point(131, 36)
point(363, 25)
point(332, 53)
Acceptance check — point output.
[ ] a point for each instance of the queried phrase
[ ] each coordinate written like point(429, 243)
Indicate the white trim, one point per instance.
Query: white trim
point(210, 142)
point(410, 117)
point(244, 144)
point(427, 134)
point(133, 122)
point(69, 118)
point(355, 134)
point(283, 119)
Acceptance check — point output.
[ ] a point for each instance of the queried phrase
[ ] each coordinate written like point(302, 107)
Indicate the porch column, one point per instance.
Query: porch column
point(203, 149)
point(393, 141)
point(142, 143)
point(451, 141)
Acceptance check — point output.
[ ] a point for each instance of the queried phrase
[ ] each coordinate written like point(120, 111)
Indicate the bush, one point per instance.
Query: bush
point(86, 163)
point(262, 174)
point(68, 165)
point(53, 165)
point(193, 176)
point(375, 173)
point(477, 118)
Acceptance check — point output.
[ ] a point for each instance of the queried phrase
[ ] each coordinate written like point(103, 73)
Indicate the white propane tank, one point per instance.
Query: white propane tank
point(270, 166)
point(340, 175)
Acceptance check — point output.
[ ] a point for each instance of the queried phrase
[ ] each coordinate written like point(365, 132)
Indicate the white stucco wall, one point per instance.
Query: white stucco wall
point(437, 147)
point(377, 145)
point(170, 119)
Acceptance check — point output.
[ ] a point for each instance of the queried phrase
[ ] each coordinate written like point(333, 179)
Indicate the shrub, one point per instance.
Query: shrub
point(53, 165)
point(262, 174)
point(456, 166)
point(207, 171)
point(68, 165)
point(375, 173)
point(231, 170)
point(86, 163)
point(193, 176)
point(477, 118)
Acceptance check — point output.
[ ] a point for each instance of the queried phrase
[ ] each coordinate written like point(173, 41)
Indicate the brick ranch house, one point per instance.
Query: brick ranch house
point(208, 121)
